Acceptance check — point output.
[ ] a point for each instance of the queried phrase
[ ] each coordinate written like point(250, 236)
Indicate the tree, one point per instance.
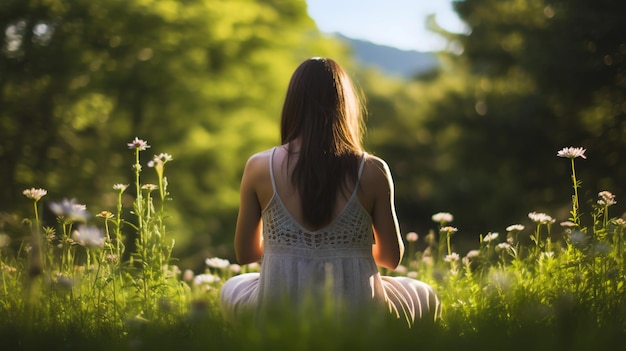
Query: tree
point(532, 77)
point(200, 79)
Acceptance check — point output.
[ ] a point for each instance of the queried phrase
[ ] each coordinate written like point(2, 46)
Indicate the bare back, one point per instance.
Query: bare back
point(375, 194)
point(288, 193)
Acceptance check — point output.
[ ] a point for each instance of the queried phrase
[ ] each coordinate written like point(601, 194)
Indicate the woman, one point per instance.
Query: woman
point(318, 212)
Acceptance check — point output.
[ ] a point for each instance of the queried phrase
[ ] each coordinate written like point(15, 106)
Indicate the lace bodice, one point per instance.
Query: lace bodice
point(351, 229)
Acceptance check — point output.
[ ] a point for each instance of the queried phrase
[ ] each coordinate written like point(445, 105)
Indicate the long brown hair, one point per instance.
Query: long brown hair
point(323, 110)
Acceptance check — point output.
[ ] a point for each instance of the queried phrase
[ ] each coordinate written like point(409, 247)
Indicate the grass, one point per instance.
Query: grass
point(77, 286)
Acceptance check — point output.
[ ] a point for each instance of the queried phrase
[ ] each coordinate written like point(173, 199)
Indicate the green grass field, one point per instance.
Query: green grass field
point(75, 286)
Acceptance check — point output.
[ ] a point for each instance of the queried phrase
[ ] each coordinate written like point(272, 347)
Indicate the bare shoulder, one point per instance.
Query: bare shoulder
point(258, 161)
point(257, 169)
point(376, 178)
point(376, 169)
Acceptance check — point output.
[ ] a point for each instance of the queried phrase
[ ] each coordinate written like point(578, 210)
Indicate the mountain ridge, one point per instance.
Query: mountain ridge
point(390, 60)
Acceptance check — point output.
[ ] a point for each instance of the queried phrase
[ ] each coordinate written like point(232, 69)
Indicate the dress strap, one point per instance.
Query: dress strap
point(272, 169)
point(358, 179)
point(361, 166)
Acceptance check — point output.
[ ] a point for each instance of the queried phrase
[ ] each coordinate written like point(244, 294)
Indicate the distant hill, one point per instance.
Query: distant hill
point(390, 60)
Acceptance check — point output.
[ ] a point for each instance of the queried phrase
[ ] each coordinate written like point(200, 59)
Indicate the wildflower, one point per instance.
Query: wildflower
point(164, 157)
point(120, 187)
point(572, 152)
point(620, 222)
point(540, 218)
point(89, 236)
point(512, 233)
point(235, 268)
point(515, 228)
point(150, 187)
point(503, 246)
point(69, 209)
point(35, 194)
point(442, 217)
point(105, 214)
point(160, 159)
point(453, 257)
point(490, 237)
point(412, 236)
point(49, 233)
point(449, 230)
point(138, 144)
point(201, 279)
point(568, 224)
point(472, 254)
point(112, 258)
point(217, 262)
point(606, 198)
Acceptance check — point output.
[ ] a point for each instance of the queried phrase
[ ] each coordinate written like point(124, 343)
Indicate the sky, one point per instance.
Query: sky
point(396, 23)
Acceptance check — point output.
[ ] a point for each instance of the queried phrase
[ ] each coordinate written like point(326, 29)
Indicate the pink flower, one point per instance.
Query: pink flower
point(412, 236)
point(35, 194)
point(572, 152)
point(442, 217)
point(138, 144)
point(606, 198)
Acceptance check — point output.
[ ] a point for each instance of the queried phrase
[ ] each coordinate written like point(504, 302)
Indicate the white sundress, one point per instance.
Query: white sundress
point(298, 264)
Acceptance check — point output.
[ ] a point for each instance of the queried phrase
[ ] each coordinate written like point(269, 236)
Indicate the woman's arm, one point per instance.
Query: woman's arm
point(248, 233)
point(389, 247)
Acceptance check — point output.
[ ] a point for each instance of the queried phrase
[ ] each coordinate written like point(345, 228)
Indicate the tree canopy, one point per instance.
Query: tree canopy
point(201, 80)
point(480, 138)
point(204, 80)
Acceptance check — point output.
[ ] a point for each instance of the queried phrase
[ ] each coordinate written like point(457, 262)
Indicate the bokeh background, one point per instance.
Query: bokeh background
point(203, 80)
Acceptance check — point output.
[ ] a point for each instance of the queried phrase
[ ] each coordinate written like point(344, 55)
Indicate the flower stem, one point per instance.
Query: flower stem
point(138, 189)
point(118, 225)
point(575, 214)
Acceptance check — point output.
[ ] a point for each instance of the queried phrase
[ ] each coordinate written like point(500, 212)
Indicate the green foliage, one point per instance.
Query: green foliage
point(477, 138)
point(82, 274)
point(202, 78)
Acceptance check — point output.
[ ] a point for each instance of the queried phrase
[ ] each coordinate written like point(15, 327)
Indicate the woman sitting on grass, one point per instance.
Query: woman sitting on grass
point(319, 213)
